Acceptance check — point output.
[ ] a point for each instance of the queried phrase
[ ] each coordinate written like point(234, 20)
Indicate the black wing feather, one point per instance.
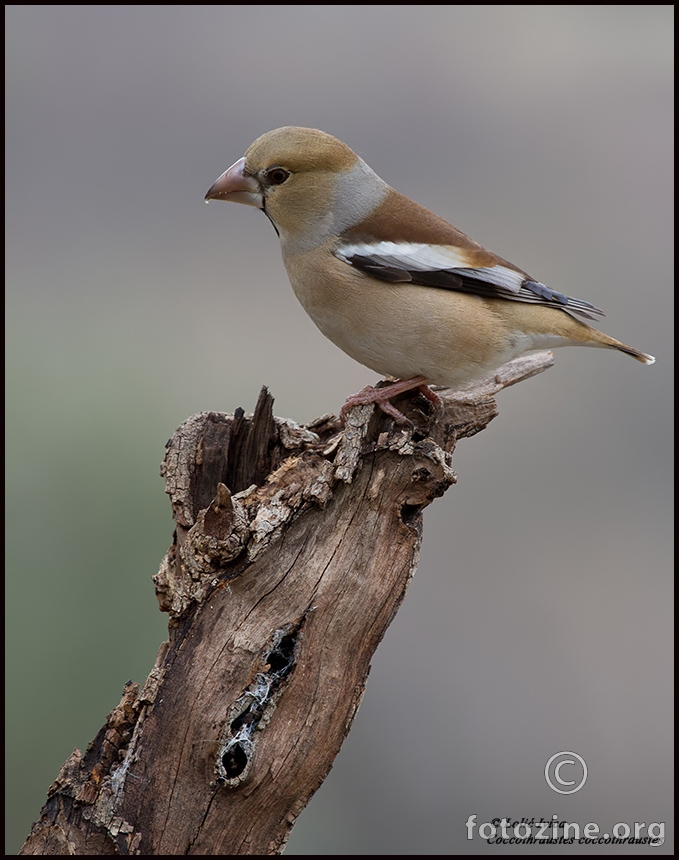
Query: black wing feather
point(530, 292)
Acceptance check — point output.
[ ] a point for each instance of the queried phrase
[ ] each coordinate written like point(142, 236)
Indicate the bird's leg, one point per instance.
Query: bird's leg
point(382, 396)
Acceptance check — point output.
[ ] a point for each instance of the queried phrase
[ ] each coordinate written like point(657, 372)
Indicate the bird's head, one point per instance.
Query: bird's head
point(310, 185)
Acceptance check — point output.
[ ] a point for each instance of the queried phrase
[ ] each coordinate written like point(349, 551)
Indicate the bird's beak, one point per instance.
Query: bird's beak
point(234, 184)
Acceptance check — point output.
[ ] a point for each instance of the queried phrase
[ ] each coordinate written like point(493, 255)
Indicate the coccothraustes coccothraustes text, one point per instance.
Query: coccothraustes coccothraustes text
point(396, 287)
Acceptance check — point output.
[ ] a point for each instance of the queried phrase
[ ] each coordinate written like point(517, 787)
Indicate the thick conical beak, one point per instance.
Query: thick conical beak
point(234, 184)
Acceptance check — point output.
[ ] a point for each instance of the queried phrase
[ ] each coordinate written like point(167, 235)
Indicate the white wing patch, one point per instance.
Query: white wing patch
point(407, 255)
point(416, 257)
point(499, 276)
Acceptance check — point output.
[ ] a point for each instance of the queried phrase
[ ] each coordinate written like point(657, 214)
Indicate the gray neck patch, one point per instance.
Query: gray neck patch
point(358, 192)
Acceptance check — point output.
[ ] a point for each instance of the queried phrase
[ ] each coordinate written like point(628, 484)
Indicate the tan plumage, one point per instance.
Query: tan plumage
point(395, 286)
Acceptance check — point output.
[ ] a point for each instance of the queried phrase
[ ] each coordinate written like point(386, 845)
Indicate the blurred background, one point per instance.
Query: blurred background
point(539, 618)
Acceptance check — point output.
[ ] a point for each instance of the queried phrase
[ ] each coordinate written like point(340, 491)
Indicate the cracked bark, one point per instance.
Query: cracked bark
point(292, 552)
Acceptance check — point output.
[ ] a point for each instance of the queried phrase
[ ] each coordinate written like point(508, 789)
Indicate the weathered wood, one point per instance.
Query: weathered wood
point(293, 550)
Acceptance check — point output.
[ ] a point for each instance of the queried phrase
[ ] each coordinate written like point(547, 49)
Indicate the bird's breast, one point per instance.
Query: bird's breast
point(401, 330)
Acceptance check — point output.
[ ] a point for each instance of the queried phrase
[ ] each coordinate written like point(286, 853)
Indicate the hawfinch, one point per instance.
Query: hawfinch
point(396, 287)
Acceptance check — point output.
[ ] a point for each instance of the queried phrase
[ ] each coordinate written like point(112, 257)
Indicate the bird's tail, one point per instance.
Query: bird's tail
point(549, 326)
point(593, 337)
point(643, 357)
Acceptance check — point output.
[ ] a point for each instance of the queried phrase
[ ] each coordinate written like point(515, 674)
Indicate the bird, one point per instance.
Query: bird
point(392, 284)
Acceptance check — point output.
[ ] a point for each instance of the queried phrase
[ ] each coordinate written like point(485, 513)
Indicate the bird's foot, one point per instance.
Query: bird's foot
point(381, 397)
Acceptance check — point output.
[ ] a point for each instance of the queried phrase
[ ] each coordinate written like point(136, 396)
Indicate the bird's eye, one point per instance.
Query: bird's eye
point(277, 175)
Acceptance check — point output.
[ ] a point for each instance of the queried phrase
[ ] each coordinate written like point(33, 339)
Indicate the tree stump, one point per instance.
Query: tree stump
point(292, 552)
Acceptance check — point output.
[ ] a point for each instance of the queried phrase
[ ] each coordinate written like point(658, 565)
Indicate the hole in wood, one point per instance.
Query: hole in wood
point(254, 708)
point(410, 514)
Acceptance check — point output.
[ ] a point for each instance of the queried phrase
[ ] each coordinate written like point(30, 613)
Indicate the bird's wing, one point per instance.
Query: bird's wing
point(448, 268)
